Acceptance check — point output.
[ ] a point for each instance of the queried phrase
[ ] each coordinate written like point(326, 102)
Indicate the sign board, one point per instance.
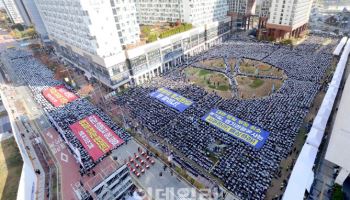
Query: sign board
point(96, 137)
point(59, 95)
point(236, 127)
point(172, 99)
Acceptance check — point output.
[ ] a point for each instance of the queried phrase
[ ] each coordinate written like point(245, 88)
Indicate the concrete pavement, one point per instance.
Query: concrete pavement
point(8, 101)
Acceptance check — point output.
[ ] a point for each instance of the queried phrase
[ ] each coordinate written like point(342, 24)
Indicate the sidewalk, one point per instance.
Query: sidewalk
point(9, 96)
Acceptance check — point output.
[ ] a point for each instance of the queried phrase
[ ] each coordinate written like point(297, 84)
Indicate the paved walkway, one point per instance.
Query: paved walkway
point(40, 192)
point(167, 186)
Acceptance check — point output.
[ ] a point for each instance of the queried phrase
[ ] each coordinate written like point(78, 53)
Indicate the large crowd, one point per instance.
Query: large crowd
point(245, 171)
point(38, 77)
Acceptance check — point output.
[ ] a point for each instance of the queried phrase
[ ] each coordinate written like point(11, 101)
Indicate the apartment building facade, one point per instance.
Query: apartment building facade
point(31, 16)
point(125, 17)
point(155, 58)
point(197, 13)
point(96, 48)
point(150, 12)
point(144, 62)
point(201, 12)
point(77, 31)
point(13, 11)
point(288, 18)
point(263, 8)
point(242, 7)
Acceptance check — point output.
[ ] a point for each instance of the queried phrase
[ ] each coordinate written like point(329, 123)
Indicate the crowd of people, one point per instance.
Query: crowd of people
point(245, 171)
point(38, 77)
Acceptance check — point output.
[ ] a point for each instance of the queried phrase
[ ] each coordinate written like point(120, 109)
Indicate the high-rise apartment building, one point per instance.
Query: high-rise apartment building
point(263, 8)
point(198, 13)
point(92, 34)
point(202, 12)
point(288, 18)
point(150, 12)
point(124, 12)
point(31, 16)
point(13, 12)
point(23, 12)
point(86, 33)
point(242, 7)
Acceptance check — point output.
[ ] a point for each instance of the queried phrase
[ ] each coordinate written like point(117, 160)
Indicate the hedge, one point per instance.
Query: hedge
point(179, 29)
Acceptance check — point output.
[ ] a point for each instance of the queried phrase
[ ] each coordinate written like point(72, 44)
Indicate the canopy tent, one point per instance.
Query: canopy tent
point(314, 137)
point(325, 110)
point(340, 46)
point(302, 174)
point(319, 125)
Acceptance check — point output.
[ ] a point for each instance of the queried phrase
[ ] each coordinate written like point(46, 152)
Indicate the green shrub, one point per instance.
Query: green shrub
point(198, 185)
point(151, 38)
point(178, 29)
point(337, 193)
point(204, 72)
point(256, 83)
point(192, 181)
point(146, 30)
point(223, 87)
point(18, 27)
point(287, 42)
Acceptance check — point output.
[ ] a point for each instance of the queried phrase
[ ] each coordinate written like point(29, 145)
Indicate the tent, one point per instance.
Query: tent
point(340, 46)
point(302, 174)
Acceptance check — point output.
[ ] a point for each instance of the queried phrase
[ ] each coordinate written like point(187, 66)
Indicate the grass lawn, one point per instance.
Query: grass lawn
point(10, 169)
point(216, 63)
point(214, 80)
point(259, 68)
point(204, 72)
point(209, 80)
point(256, 83)
point(249, 69)
point(250, 87)
point(264, 67)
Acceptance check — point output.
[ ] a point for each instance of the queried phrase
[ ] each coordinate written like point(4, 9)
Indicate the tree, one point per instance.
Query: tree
point(18, 27)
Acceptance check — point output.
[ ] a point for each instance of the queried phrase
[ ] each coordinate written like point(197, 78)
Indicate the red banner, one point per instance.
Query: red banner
point(96, 137)
point(59, 95)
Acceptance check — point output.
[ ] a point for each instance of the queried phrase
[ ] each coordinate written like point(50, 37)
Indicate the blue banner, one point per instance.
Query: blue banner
point(172, 99)
point(238, 128)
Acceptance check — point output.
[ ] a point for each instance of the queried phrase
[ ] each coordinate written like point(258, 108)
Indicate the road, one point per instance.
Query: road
point(24, 114)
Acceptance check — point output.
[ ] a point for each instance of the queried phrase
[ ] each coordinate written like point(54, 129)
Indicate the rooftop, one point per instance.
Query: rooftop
point(151, 33)
point(338, 150)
